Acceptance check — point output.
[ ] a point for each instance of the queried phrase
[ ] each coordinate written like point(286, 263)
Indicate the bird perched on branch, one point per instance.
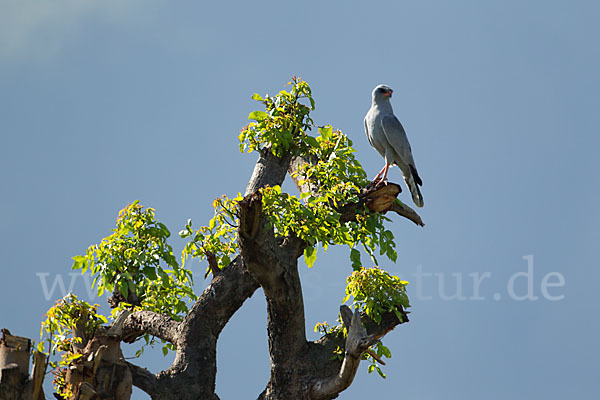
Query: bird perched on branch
point(387, 136)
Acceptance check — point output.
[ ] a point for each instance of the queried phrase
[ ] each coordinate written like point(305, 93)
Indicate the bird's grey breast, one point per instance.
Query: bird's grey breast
point(374, 130)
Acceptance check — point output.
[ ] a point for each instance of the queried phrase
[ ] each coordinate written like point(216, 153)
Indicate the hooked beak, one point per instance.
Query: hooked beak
point(388, 93)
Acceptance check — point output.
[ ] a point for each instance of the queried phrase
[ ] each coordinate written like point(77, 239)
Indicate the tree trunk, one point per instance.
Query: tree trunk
point(15, 383)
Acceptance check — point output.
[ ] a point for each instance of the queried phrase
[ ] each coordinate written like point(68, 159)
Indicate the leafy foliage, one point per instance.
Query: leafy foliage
point(68, 322)
point(283, 126)
point(219, 238)
point(381, 351)
point(137, 261)
point(376, 292)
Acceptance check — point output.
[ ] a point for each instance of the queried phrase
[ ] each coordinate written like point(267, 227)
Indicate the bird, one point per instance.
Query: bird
point(386, 135)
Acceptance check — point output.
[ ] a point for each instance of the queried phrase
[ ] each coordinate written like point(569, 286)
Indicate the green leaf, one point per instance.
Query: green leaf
point(164, 229)
point(165, 350)
point(150, 272)
point(310, 256)
point(123, 288)
point(225, 261)
point(326, 132)
point(386, 352)
point(400, 318)
point(79, 262)
point(258, 115)
point(311, 141)
point(355, 258)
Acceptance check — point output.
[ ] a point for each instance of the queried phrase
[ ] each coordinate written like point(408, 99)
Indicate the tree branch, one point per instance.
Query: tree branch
point(37, 375)
point(356, 343)
point(220, 300)
point(380, 197)
point(273, 262)
point(268, 171)
point(405, 211)
point(155, 324)
point(194, 366)
point(192, 374)
point(389, 321)
point(334, 376)
point(143, 379)
point(302, 185)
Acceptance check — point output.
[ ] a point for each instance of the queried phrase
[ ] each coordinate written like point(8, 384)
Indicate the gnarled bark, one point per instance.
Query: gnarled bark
point(102, 371)
point(300, 369)
point(273, 263)
point(155, 324)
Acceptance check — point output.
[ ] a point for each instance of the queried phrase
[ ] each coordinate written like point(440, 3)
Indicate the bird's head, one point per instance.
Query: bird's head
point(382, 92)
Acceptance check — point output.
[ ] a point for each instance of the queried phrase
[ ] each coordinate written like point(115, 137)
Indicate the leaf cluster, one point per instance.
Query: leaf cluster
point(376, 292)
point(68, 322)
point(137, 261)
point(219, 238)
point(283, 126)
point(381, 351)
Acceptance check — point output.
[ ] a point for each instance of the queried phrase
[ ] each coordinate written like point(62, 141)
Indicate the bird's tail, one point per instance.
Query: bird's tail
point(413, 181)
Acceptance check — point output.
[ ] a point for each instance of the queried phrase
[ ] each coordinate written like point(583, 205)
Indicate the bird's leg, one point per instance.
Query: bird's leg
point(382, 172)
point(379, 174)
point(385, 172)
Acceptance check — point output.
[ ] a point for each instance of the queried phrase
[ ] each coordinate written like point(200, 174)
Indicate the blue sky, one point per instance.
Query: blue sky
point(102, 103)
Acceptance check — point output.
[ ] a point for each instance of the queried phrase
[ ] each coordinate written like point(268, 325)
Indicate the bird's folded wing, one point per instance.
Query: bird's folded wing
point(396, 137)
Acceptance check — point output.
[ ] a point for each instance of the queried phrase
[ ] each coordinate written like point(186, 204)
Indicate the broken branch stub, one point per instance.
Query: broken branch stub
point(380, 197)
